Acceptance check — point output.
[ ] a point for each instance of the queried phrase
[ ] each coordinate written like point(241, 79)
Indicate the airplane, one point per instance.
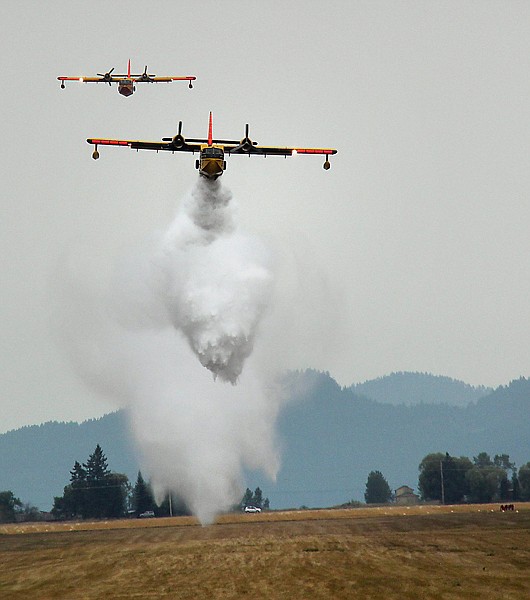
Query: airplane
point(126, 83)
point(211, 162)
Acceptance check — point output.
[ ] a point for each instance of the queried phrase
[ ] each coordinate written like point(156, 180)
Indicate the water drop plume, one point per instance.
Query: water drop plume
point(180, 322)
point(218, 281)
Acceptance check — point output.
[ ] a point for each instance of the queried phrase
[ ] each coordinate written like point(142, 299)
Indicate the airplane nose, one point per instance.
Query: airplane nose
point(211, 169)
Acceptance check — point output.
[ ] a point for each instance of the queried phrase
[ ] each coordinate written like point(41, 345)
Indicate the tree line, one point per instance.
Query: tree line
point(452, 480)
point(96, 492)
point(253, 499)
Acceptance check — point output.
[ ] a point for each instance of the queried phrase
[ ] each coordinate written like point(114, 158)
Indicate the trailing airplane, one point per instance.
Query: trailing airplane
point(126, 83)
point(212, 152)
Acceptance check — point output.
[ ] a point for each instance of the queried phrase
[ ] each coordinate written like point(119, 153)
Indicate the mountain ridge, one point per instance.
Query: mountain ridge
point(409, 387)
point(331, 437)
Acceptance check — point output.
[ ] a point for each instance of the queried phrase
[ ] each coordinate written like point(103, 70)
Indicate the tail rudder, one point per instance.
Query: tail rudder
point(210, 131)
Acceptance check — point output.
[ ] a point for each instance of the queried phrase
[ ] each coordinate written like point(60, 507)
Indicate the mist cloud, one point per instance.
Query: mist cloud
point(177, 327)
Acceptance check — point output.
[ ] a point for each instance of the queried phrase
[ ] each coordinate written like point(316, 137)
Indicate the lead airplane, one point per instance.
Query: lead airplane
point(211, 163)
point(126, 83)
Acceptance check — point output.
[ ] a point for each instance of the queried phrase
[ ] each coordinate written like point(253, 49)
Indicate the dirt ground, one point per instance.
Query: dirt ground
point(423, 552)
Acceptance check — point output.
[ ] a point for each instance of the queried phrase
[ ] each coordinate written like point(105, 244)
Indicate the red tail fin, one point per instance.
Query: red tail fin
point(210, 131)
point(129, 68)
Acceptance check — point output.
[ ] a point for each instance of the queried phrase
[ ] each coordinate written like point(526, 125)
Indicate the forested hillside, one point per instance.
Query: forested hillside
point(331, 439)
point(420, 388)
point(35, 462)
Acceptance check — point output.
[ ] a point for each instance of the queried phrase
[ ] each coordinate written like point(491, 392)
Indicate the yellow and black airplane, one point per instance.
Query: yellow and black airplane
point(126, 83)
point(211, 162)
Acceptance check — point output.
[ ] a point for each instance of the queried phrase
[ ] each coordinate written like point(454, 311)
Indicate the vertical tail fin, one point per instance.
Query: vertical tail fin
point(129, 68)
point(210, 131)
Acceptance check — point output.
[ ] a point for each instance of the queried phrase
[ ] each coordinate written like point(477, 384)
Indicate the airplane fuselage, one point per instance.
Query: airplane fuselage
point(126, 87)
point(211, 163)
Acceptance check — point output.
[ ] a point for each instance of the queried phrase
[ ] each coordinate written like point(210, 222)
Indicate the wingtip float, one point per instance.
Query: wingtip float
point(211, 162)
point(127, 83)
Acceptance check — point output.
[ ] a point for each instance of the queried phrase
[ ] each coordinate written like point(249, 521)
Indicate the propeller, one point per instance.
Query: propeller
point(178, 140)
point(106, 76)
point(245, 144)
point(145, 75)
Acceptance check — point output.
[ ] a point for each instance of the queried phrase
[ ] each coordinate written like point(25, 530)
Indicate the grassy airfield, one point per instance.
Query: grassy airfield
point(427, 552)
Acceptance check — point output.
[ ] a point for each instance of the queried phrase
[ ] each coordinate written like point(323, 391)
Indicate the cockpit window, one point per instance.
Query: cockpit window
point(213, 153)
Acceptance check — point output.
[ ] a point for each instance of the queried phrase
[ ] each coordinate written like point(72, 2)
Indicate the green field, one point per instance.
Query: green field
point(420, 552)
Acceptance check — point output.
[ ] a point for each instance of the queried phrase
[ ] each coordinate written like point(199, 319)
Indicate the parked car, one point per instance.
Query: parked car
point(148, 514)
point(252, 509)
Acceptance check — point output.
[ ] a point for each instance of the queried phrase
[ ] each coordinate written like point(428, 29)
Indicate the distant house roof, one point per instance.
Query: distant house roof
point(405, 495)
point(404, 489)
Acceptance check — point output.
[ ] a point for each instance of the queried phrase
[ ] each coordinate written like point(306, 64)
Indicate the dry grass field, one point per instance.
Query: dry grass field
point(419, 553)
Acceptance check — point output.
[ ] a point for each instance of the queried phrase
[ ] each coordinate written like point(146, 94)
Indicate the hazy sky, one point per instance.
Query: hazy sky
point(411, 253)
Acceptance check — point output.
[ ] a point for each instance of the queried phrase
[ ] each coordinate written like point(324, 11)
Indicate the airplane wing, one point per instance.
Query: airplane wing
point(168, 78)
point(278, 150)
point(154, 79)
point(145, 145)
point(247, 146)
point(83, 79)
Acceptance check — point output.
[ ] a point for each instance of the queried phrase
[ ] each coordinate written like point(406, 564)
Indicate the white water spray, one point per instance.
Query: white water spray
point(218, 282)
point(194, 299)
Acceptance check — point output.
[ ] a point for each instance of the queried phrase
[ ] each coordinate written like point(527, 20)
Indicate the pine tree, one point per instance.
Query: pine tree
point(377, 489)
point(94, 491)
point(76, 496)
point(257, 499)
point(96, 467)
point(142, 496)
point(96, 470)
point(77, 474)
point(254, 499)
point(247, 498)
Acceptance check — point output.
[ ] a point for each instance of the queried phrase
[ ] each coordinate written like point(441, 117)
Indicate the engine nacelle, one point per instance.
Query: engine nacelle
point(178, 141)
point(326, 165)
point(246, 144)
point(95, 155)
